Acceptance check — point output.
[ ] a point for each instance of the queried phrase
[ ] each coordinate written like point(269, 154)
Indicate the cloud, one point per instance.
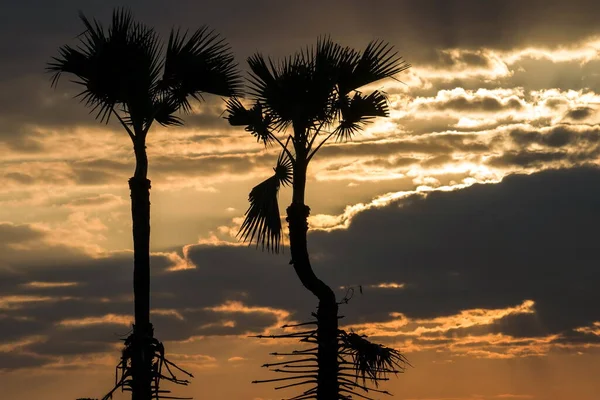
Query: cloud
point(457, 249)
point(580, 113)
point(481, 100)
point(558, 136)
point(526, 159)
point(455, 254)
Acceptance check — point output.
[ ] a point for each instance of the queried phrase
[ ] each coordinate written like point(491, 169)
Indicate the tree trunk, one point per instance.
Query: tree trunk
point(327, 354)
point(142, 330)
point(327, 321)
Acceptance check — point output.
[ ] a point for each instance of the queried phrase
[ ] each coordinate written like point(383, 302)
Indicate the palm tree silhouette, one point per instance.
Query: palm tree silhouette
point(315, 94)
point(125, 73)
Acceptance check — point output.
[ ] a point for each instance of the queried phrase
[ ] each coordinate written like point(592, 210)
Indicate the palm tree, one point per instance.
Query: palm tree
point(300, 103)
point(124, 73)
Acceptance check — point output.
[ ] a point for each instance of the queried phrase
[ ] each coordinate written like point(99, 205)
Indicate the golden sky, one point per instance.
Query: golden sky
point(469, 216)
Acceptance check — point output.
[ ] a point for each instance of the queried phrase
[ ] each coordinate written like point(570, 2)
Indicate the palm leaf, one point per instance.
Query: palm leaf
point(372, 361)
point(262, 222)
point(199, 63)
point(276, 87)
point(119, 66)
point(294, 91)
point(355, 113)
point(164, 111)
point(378, 61)
point(254, 120)
point(284, 169)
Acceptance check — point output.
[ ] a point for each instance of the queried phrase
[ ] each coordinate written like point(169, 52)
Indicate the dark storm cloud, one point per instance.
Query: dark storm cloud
point(14, 329)
point(393, 163)
point(463, 58)
point(439, 144)
point(414, 24)
point(20, 178)
point(483, 103)
point(12, 361)
point(106, 171)
point(13, 234)
point(56, 315)
point(538, 74)
point(419, 29)
point(556, 102)
point(558, 136)
point(488, 246)
point(526, 158)
point(580, 113)
point(12, 239)
point(70, 342)
point(437, 161)
point(209, 165)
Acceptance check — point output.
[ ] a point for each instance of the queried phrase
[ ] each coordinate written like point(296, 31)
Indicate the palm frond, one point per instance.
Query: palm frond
point(70, 60)
point(199, 63)
point(164, 112)
point(372, 361)
point(293, 90)
point(119, 66)
point(326, 61)
point(377, 61)
point(355, 113)
point(262, 222)
point(284, 170)
point(276, 87)
point(254, 120)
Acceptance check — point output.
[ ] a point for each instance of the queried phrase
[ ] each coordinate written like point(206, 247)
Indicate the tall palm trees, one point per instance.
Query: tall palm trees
point(124, 73)
point(309, 98)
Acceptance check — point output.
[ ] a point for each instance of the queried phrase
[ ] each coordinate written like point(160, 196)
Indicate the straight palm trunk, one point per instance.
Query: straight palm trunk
point(327, 320)
point(142, 330)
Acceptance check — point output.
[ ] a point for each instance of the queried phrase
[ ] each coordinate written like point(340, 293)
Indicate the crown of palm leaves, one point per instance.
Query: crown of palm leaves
point(123, 68)
point(315, 88)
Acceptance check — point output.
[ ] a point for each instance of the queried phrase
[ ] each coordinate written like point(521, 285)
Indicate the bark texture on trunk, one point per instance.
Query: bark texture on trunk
point(142, 329)
point(327, 321)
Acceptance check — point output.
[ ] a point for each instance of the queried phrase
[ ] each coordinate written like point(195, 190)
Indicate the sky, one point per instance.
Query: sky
point(469, 216)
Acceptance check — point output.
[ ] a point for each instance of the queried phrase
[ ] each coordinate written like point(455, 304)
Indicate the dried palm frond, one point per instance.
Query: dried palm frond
point(371, 361)
point(162, 369)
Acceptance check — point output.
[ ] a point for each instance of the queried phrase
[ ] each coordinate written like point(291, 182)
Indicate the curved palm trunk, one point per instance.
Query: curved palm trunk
point(327, 320)
point(142, 330)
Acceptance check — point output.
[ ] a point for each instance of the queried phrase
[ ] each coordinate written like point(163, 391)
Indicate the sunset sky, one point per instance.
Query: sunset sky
point(470, 216)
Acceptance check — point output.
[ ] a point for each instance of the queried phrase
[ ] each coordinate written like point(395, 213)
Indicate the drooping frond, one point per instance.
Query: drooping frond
point(262, 223)
point(371, 361)
point(199, 63)
point(359, 110)
point(254, 120)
